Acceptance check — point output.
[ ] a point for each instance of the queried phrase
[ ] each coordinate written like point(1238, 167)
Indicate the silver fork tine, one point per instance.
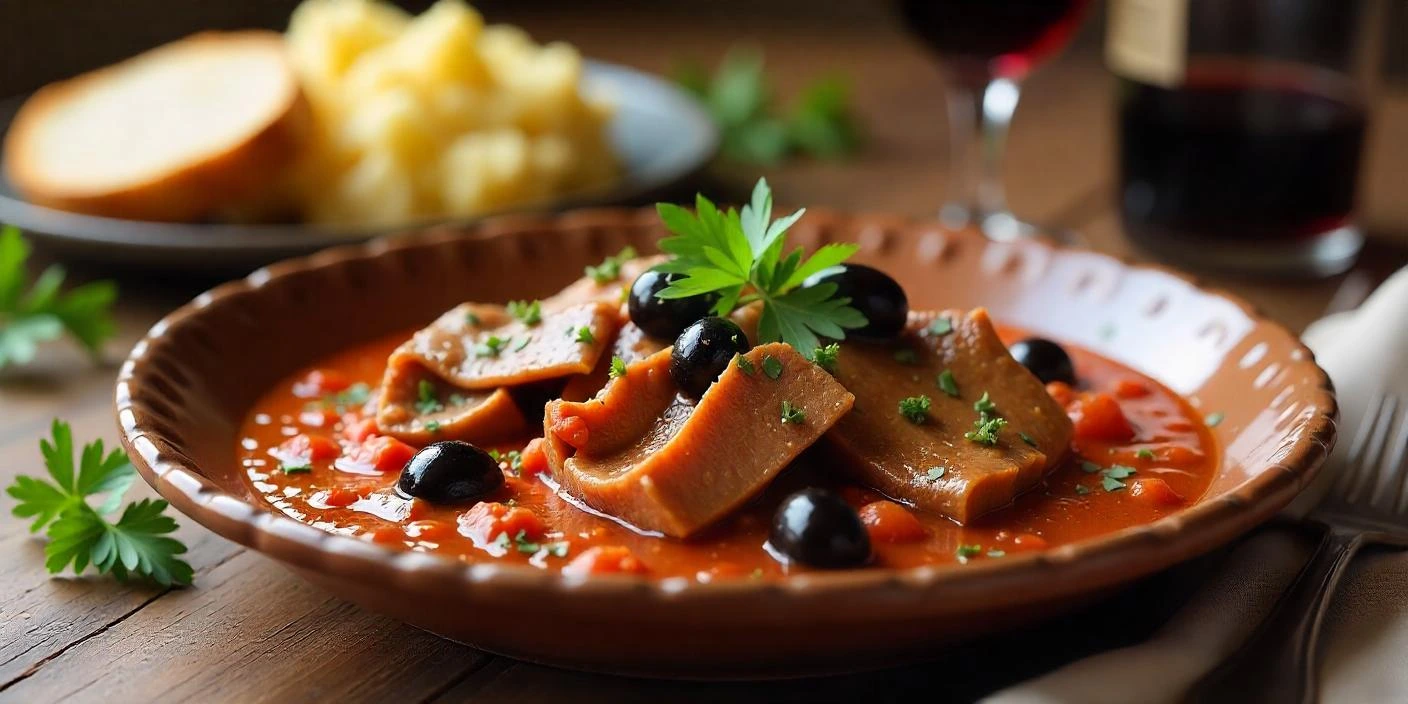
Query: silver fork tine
point(1355, 467)
point(1377, 478)
point(1398, 467)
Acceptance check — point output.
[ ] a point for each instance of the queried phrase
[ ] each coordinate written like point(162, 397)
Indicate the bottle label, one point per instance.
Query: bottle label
point(1147, 40)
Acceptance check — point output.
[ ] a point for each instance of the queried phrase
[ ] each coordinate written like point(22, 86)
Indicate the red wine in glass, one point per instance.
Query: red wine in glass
point(1008, 36)
point(1239, 156)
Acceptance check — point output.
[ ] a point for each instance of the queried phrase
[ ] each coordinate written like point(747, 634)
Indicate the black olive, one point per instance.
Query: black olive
point(872, 292)
point(450, 472)
point(1045, 359)
point(815, 527)
point(702, 352)
point(663, 318)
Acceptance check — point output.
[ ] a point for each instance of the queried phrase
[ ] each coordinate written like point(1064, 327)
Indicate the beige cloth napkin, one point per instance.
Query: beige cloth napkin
point(1364, 656)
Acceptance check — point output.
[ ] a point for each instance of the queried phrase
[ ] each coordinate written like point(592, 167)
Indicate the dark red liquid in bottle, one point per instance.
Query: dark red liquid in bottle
point(1235, 154)
point(1008, 35)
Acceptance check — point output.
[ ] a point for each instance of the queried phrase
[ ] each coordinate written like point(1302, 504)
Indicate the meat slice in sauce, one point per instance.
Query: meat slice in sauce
point(448, 381)
point(589, 290)
point(644, 454)
point(930, 464)
point(631, 345)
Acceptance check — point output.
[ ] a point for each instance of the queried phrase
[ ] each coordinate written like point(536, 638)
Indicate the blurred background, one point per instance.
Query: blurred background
point(1062, 166)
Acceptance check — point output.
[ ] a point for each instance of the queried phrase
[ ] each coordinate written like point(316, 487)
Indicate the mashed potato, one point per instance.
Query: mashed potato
point(437, 115)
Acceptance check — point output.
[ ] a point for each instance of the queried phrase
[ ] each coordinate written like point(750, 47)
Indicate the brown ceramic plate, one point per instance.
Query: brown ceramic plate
point(185, 389)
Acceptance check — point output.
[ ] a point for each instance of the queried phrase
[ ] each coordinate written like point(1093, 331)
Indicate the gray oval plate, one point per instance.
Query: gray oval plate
point(662, 135)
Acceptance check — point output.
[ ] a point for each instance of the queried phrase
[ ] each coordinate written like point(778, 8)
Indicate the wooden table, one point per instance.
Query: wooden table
point(250, 631)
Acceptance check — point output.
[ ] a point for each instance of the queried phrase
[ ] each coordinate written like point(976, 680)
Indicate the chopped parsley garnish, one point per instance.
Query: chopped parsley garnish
point(1082, 489)
point(42, 313)
point(792, 414)
point(906, 355)
point(915, 408)
point(618, 368)
point(136, 544)
point(610, 268)
point(491, 347)
point(522, 343)
point(985, 405)
point(940, 327)
point(964, 552)
point(826, 356)
point(471, 320)
point(947, 384)
point(528, 313)
point(771, 366)
point(351, 397)
point(1111, 484)
point(1144, 453)
point(515, 461)
point(985, 429)
point(1089, 467)
point(745, 365)
point(458, 399)
point(290, 468)
point(1119, 471)
point(1213, 420)
point(433, 426)
point(935, 473)
point(738, 256)
point(585, 336)
point(426, 402)
point(1027, 439)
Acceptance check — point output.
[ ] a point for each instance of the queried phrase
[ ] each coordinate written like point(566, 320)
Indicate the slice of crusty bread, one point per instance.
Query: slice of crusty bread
point(205, 123)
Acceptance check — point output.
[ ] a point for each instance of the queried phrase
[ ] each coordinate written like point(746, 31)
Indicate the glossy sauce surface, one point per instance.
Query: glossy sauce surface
point(1104, 486)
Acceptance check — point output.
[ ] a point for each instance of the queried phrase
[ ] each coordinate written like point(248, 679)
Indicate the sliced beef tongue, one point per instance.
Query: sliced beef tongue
point(450, 381)
point(644, 454)
point(940, 458)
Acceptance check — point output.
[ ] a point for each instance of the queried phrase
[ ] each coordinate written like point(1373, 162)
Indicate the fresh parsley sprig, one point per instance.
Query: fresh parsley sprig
point(738, 256)
point(42, 313)
point(80, 533)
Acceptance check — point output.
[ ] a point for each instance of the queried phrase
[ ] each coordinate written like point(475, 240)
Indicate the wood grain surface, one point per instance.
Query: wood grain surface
point(251, 631)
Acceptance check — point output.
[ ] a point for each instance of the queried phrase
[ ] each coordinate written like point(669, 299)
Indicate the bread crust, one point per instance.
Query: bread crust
point(239, 172)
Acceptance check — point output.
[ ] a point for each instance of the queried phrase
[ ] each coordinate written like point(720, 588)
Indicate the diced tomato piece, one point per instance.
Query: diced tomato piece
point(1132, 388)
point(385, 535)
point(535, 459)
point(1061, 392)
point(1155, 491)
point(487, 520)
point(358, 429)
point(889, 522)
point(429, 529)
point(572, 430)
point(341, 496)
point(605, 559)
point(383, 453)
point(1099, 417)
point(1180, 456)
point(321, 382)
point(1030, 541)
point(310, 447)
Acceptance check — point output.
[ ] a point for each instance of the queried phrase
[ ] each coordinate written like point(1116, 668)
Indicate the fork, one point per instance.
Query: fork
point(1368, 504)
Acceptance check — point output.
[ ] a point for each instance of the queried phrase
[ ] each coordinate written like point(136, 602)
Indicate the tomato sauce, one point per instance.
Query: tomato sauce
point(308, 446)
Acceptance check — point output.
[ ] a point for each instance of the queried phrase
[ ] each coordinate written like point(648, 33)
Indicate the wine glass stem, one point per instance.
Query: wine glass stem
point(979, 114)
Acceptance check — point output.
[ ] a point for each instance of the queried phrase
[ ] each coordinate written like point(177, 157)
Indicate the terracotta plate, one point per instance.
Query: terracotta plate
point(185, 389)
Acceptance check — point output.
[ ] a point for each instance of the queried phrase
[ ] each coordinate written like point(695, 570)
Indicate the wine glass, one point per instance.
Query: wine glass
point(988, 47)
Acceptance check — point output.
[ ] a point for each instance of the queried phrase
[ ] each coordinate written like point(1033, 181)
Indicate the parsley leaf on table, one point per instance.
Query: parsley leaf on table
point(79, 534)
point(42, 313)
point(738, 256)
point(740, 101)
